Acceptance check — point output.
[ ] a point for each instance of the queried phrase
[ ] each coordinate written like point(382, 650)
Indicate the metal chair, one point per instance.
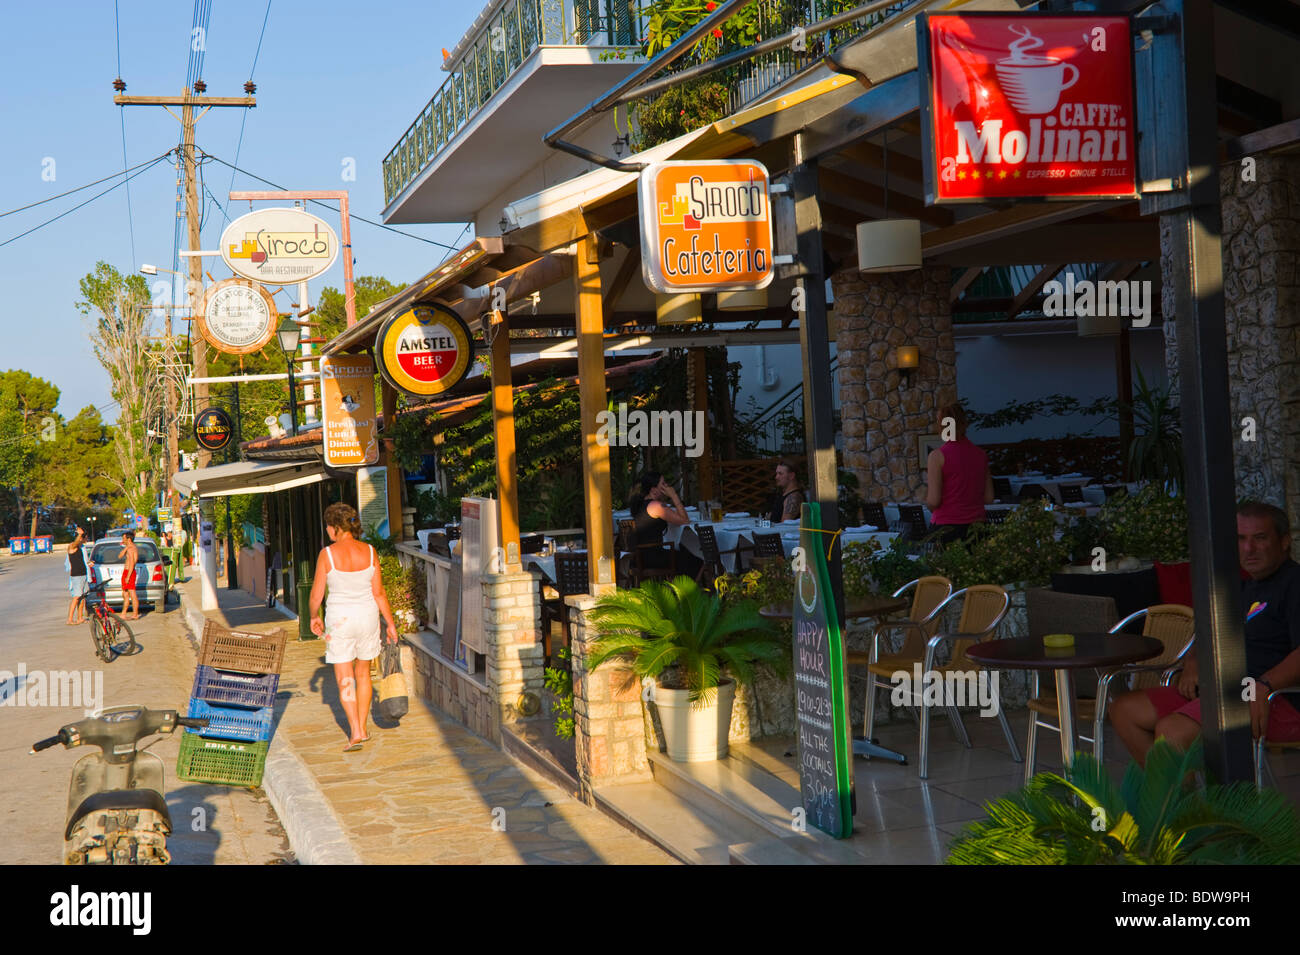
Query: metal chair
point(873, 513)
point(637, 569)
point(532, 544)
point(713, 556)
point(1172, 624)
point(914, 514)
point(1002, 489)
point(1261, 758)
point(998, 516)
point(929, 595)
point(1031, 492)
point(571, 577)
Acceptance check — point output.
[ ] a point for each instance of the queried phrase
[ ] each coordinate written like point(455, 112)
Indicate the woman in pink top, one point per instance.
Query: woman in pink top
point(960, 483)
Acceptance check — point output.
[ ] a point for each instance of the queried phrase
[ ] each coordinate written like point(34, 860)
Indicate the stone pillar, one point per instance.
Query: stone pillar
point(1261, 286)
point(608, 726)
point(881, 420)
point(512, 627)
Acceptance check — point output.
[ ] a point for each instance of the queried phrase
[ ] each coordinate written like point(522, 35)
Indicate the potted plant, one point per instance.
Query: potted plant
point(694, 647)
point(1154, 818)
point(1150, 525)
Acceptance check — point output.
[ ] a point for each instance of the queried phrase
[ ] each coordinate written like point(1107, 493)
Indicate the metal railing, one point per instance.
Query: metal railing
point(521, 26)
point(778, 428)
point(502, 46)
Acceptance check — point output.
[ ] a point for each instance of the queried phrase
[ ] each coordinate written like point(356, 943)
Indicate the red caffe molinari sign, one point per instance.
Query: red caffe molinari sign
point(425, 350)
point(1027, 106)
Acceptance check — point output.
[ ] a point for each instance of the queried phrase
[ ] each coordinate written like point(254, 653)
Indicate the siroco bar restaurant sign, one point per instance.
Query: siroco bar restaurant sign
point(424, 350)
point(213, 429)
point(1027, 106)
point(705, 226)
point(279, 246)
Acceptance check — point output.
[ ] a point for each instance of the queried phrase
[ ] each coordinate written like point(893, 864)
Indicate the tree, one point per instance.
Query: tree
point(331, 311)
point(119, 313)
point(71, 471)
point(27, 418)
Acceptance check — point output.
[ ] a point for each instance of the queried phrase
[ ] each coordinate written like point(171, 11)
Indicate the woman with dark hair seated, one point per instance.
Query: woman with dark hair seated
point(655, 505)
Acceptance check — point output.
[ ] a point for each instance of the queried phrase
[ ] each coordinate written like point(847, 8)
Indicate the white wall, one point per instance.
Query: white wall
point(995, 370)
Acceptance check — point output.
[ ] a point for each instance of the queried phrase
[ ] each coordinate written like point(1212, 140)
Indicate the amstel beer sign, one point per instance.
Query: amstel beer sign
point(425, 350)
point(1027, 106)
point(705, 226)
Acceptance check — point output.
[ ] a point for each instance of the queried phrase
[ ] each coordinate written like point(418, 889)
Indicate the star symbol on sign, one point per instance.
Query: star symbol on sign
point(1002, 174)
point(989, 174)
point(1016, 174)
point(961, 174)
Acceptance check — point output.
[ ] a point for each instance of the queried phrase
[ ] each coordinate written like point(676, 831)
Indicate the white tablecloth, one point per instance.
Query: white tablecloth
point(546, 564)
point(730, 533)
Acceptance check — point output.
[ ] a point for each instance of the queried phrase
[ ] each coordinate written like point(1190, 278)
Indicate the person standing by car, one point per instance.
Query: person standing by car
point(131, 555)
point(77, 585)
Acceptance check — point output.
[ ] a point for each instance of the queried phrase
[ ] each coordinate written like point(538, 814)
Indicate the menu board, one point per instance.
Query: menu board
point(824, 770)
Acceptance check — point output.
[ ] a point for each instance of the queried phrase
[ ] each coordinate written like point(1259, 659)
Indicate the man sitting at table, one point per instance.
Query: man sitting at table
point(788, 497)
point(1271, 597)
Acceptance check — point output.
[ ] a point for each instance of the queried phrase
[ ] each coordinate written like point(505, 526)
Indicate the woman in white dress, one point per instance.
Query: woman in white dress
point(350, 571)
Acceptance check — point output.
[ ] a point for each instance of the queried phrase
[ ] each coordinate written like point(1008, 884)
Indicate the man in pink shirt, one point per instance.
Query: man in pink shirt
point(959, 480)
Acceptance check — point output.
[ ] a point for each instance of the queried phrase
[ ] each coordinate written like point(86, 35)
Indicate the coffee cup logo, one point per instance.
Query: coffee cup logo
point(1033, 83)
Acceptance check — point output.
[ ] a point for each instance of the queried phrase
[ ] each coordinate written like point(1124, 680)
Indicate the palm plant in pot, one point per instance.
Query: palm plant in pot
point(694, 647)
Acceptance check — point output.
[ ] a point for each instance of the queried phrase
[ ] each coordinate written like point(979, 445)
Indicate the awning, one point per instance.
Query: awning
point(247, 477)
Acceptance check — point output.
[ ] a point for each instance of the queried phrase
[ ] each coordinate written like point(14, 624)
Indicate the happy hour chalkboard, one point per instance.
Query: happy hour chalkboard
point(824, 778)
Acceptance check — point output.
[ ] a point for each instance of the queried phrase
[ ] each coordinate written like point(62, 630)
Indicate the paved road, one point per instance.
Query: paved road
point(212, 824)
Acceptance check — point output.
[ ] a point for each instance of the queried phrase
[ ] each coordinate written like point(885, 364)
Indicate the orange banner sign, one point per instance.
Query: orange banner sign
point(705, 226)
point(348, 400)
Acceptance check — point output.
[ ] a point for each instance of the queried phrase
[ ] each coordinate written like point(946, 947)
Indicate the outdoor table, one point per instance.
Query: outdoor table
point(424, 536)
point(854, 608)
point(545, 562)
point(1090, 651)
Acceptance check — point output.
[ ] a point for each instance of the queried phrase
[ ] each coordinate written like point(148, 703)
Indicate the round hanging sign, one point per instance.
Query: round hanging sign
point(425, 350)
point(279, 246)
point(238, 316)
point(213, 429)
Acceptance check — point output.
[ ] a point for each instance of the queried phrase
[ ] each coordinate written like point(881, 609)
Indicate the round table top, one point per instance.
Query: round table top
point(1089, 650)
point(869, 606)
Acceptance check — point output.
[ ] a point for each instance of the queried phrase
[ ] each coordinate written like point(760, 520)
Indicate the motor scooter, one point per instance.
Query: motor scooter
point(117, 809)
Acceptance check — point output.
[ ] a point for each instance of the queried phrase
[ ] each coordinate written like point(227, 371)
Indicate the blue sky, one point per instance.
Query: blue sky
point(335, 80)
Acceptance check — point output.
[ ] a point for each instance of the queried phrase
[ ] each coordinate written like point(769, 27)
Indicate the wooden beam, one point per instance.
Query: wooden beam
point(964, 282)
point(503, 433)
point(565, 228)
point(194, 100)
point(1003, 222)
point(630, 265)
point(393, 475)
point(833, 184)
point(597, 496)
point(703, 463)
point(1124, 391)
point(1033, 287)
point(901, 165)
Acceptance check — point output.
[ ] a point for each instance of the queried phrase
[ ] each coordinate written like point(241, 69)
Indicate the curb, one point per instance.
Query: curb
point(315, 833)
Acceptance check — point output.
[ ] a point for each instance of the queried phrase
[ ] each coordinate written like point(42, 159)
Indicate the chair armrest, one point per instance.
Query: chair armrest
point(1285, 689)
point(886, 626)
point(1170, 672)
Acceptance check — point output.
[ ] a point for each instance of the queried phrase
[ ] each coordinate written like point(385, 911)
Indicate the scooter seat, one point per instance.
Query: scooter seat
point(120, 799)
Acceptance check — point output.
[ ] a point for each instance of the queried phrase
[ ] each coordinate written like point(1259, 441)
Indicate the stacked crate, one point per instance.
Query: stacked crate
point(234, 689)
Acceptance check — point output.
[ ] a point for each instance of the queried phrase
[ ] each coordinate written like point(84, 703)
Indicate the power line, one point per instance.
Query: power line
point(130, 218)
point(86, 203)
point(41, 202)
point(253, 69)
point(444, 245)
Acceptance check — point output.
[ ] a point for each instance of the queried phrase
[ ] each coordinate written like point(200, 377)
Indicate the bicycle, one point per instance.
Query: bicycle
point(110, 634)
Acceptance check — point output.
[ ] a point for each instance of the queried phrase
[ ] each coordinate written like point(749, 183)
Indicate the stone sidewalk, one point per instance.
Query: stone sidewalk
point(425, 791)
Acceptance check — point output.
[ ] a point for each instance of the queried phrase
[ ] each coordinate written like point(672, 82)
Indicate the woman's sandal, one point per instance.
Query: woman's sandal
point(353, 746)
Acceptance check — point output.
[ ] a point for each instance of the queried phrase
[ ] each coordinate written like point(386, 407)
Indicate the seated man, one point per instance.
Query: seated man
point(1271, 597)
point(786, 503)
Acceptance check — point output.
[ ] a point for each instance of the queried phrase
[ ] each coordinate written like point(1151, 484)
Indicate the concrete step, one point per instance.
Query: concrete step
point(676, 826)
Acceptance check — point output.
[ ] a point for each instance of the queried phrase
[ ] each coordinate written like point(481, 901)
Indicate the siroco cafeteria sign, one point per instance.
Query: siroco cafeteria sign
point(279, 246)
point(424, 350)
point(705, 226)
point(1025, 106)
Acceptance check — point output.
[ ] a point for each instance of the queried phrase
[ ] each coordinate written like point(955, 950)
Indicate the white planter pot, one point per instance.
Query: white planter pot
point(695, 734)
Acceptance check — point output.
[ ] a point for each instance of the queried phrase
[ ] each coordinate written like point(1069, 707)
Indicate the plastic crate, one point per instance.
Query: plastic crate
point(224, 688)
point(242, 651)
point(231, 722)
point(222, 761)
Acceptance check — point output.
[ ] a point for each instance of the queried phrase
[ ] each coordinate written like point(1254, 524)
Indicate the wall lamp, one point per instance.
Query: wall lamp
point(907, 358)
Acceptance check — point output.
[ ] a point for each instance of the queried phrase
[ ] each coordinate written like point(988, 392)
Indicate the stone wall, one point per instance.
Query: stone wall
point(882, 421)
point(1261, 284)
point(453, 691)
point(512, 627)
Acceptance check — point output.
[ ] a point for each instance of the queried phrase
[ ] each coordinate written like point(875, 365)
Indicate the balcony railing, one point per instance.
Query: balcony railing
point(520, 26)
point(504, 43)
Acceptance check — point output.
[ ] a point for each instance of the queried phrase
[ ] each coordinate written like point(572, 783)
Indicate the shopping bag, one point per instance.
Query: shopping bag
point(393, 704)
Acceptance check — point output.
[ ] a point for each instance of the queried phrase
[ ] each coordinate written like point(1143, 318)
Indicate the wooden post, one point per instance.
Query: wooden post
point(394, 473)
point(704, 463)
point(1124, 389)
point(503, 431)
point(597, 497)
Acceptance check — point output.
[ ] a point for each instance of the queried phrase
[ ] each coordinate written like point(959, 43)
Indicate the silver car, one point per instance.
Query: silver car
point(108, 561)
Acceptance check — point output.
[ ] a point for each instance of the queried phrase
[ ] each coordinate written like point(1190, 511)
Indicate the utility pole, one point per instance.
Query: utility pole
point(187, 101)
